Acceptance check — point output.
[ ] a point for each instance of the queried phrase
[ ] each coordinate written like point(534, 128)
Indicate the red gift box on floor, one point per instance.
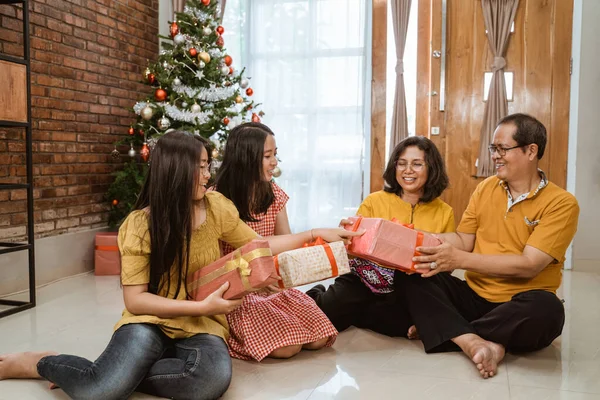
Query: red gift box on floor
point(388, 243)
point(247, 269)
point(107, 259)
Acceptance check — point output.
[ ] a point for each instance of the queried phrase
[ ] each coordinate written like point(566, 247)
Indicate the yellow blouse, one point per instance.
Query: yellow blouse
point(435, 216)
point(222, 223)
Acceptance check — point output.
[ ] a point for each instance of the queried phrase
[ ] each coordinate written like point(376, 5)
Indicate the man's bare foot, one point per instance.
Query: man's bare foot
point(412, 333)
point(485, 355)
point(21, 365)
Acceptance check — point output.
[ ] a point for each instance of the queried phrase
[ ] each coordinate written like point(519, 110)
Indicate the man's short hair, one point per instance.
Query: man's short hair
point(529, 131)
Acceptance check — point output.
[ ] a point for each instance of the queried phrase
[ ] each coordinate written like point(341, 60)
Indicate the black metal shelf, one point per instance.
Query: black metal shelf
point(11, 247)
point(12, 186)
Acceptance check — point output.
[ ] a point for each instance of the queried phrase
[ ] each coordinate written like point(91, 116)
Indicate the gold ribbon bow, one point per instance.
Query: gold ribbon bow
point(238, 262)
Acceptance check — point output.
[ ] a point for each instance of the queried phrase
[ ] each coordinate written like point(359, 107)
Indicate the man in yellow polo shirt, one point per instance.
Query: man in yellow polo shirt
point(511, 242)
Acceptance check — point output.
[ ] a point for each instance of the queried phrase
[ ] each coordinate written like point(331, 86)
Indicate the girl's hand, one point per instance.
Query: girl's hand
point(345, 222)
point(337, 234)
point(215, 304)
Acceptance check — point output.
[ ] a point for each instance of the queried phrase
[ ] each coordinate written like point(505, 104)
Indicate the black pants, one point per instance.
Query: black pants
point(443, 307)
point(348, 302)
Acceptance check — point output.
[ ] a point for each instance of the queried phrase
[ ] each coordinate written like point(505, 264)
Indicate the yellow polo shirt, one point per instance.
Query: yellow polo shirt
point(545, 219)
point(435, 216)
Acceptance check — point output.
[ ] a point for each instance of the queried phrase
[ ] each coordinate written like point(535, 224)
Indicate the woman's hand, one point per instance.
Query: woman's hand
point(336, 234)
point(215, 304)
point(442, 258)
point(345, 222)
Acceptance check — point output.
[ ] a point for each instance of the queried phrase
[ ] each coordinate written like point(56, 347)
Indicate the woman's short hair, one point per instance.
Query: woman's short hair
point(437, 179)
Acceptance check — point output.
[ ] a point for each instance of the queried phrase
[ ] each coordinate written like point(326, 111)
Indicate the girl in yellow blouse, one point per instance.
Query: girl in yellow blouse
point(164, 345)
point(415, 177)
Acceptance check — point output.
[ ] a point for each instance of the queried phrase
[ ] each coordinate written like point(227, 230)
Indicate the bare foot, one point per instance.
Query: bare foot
point(412, 333)
point(21, 365)
point(485, 355)
point(319, 344)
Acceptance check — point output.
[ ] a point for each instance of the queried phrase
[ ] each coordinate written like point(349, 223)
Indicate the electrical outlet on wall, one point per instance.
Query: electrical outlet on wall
point(435, 130)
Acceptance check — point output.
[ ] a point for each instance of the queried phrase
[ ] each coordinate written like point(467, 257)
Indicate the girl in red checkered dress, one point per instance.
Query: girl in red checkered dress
point(272, 323)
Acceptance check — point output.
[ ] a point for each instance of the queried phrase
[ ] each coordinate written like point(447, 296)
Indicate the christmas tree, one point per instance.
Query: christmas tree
point(194, 88)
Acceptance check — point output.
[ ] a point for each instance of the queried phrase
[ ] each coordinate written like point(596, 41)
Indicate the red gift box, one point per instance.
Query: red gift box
point(388, 243)
point(247, 269)
point(107, 259)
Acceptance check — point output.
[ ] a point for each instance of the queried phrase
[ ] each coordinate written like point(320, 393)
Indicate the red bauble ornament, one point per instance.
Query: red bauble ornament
point(206, 2)
point(160, 94)
point(249, 107)
point(131, 131)
point(255, 118)
point(193, 52)
point(230, 71)
point(228, 60)
point(174, 29)
point(151, 79)
point(226, 121)
point(145, 152)
point(220, 41)
point(220, 30)
point(141, 132)
point(115, 202)
point(249, 91)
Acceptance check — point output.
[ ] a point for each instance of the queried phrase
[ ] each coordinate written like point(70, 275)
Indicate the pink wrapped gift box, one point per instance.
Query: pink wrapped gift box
point(107, 259)
point(247, 269)
point(388, 243)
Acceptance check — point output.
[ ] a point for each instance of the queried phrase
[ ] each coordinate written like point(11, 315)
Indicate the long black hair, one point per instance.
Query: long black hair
point(240, 177)
point(168, 192)
point(437, 179)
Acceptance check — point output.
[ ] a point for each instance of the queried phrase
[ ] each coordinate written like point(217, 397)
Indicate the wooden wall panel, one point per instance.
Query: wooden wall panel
point(378, 93)
point(13, 96)
point(538, 54)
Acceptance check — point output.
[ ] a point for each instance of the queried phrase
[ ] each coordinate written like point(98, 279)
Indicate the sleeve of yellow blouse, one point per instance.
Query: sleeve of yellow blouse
point(233, 230)
point(450, 224)
point(366, 208)
point(134, 245)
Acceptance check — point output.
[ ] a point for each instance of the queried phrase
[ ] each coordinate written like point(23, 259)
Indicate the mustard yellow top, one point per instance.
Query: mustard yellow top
point(222, 223)
point(545, 219)
point(435, 216)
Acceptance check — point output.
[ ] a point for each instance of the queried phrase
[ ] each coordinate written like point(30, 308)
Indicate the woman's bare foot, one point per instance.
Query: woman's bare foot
point(412, 333)
point(485, 355)
point(21, 365)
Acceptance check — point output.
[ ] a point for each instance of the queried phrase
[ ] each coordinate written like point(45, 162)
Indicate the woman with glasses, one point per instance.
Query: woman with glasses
point(415, 177)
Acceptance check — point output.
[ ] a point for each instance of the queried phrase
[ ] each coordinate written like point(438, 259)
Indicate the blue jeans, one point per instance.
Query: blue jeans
point(140, 357)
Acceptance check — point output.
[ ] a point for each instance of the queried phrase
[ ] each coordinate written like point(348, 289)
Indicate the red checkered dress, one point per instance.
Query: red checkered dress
point(265, 322)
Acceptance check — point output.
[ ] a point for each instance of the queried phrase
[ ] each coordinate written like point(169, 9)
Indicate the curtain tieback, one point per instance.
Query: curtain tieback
point(499, 63)
point(399, 66)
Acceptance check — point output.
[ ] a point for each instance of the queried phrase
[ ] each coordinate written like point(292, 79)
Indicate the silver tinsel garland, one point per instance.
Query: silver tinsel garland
point(176, 113)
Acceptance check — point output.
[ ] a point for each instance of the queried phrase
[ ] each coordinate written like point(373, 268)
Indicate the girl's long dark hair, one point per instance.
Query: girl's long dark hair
point(240, 177)
point(168, 192)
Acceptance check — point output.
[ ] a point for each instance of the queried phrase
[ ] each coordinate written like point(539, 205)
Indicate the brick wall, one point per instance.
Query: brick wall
point(87, 59)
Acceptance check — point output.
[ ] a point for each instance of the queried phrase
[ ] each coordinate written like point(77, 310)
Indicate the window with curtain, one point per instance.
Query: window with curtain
point(307, 61)
point(410, 72)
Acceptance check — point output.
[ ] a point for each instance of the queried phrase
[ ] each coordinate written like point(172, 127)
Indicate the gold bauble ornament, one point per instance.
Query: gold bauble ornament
point(204, 57)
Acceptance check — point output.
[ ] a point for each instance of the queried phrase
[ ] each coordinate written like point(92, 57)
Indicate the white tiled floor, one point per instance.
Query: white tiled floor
point(76, 316)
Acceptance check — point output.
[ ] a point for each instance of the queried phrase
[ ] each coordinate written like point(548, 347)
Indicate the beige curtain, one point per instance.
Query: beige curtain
point(400, 15)
point(178, 6)
point(498, 16)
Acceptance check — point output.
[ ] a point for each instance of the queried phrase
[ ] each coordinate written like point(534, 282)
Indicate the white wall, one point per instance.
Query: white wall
point(584, 147)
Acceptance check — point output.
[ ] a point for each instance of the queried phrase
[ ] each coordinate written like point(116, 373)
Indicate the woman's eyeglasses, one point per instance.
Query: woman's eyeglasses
point(416, 166)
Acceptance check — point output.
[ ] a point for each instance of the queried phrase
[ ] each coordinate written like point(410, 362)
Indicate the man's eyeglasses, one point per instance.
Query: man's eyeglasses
point(501, 150)
point(416, 166)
